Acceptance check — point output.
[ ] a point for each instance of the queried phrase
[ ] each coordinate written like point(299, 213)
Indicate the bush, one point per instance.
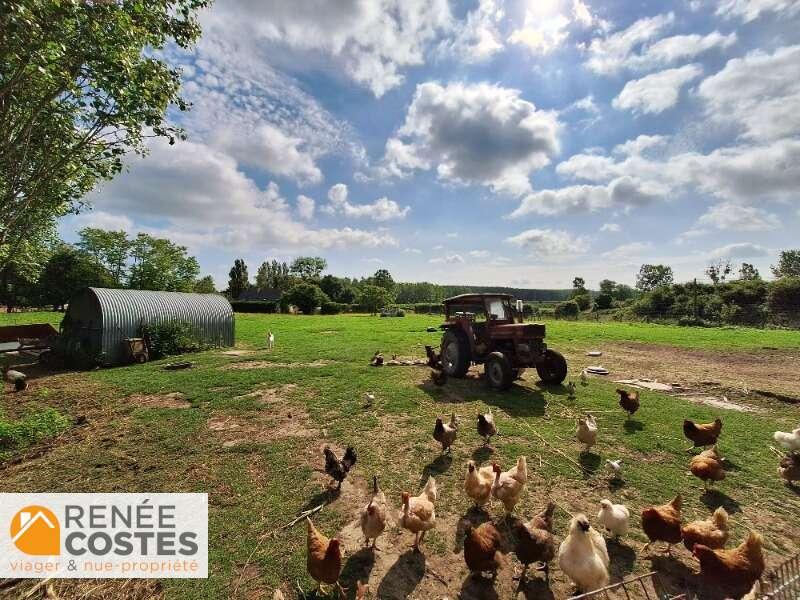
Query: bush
point(603, 301)
point(783, 300)
point(584, 301)
point(307, 297)
point(331, 308)
point(566, 310)
point(255, 306)
point(171, 337)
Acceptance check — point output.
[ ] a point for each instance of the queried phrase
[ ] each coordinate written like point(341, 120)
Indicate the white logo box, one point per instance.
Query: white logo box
point(129, 536)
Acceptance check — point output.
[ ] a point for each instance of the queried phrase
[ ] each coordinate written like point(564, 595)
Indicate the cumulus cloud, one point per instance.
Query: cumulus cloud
point(759, 92)
point(382, 209)
point(628, 252)
point(743, 250)
point(749, 10)
point(478, 37)
point(657, 92)
point(101, 220)
point(549, 244)
point(474, 133)
point(681, 47)
point(305, 207)
point(736, 217)
point(640, 144)
point(200, 192)
point(625, 191)
point(609, 54)
point(610, 227)
point(372, 41)
point(547, 24)
point(268, 148)
point(479, 254)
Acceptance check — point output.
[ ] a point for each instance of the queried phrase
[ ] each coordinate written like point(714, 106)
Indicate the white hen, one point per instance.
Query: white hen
point(583, 556)
point(614, 517)
point(587, 432)
point(790, 441)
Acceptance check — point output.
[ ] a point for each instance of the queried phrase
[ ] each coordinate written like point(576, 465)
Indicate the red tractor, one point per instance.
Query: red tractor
point(487, 329)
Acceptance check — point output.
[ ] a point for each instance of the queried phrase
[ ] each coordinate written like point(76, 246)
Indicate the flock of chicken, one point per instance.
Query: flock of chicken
point(583, 555)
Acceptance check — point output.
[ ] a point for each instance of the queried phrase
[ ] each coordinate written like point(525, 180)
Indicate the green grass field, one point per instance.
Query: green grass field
point(318, 373)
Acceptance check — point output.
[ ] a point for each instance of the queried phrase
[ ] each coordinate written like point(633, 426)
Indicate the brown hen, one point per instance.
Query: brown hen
point(482, 549)
point(707, 466)
point(663, 523)
point(629, 401)
point(324, 558)
point(534, 541)
point(712, 532)
point(702, 434)
point(737, 569)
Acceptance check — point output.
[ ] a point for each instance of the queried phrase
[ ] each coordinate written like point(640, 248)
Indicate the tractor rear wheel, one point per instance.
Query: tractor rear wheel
point(455, 353)
point(553, 368)
point(499, 372)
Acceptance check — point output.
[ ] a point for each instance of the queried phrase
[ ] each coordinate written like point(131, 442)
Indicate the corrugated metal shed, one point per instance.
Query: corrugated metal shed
point(98, 319)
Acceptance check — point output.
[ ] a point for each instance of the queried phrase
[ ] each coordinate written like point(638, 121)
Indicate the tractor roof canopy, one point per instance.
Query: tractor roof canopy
point(475, 298)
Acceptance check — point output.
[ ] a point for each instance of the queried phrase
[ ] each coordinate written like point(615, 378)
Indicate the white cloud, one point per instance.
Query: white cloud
point(474, 133)
point(200, 193)
point(549, 244)
point(268, 148)
point(749, 10)
point(628, 252)
point(586, 104)
point(680, 47)
point(305, 207)
point(478, 38)
point(411, 251)
point(451, 235)
point(759, 93)
point(609, 54)
point(547, 24)
point(743, 250)
point(736, 217)
point(450, 259)
point(372, 41)
point(657, 92)
point(625, 191)
point(382, 209)
point(640, 144)
point(479, 254)
point(610, 227)
point(101, 220)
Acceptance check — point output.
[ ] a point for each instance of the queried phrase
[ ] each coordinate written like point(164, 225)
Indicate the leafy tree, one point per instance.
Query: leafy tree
point(21, 272)
point(82, 84)
point(607, 287)
point(262, 276)
point(109, 248)
point(308, 267)
point(374, 297)
point(718, 271)
point(273, 274)
point(67, 272)
point(748, 272)
point(653, 276)
point(383, 278)
point(205, 285)
point(158, 264)
point(566, 310)
point(348, 295)
point(603, 301)
point(584, 301)
point(783, 300)
point(578, 283)
point(306, 296)
point(332, 286)
point(238, 281)
point(623, 292)
point(788, 264)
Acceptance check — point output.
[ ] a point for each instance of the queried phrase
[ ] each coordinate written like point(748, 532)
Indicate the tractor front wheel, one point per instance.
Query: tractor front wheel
point(455, 353)
point(499, 373)
point(552, 369)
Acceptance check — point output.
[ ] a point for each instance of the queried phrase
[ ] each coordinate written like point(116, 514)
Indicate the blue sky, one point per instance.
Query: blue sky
point(482, 142)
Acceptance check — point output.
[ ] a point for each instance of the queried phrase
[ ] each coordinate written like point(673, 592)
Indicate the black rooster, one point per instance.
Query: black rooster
point(338, 469)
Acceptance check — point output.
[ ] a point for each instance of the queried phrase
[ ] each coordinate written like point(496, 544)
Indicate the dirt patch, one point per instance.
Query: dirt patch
point(172, 400)
point(722, 402)
point(269, 396)
point(774, 371)
point(280, 422)
point(87, 589)
point(237, 352)
point(264, 364)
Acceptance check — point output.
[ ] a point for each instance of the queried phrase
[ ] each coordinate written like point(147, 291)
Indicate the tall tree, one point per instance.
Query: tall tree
point(788, 264)
point(82, 84)
point(607, 287)
point(205, 285)
point(238, 281)
point(718, 271)
point(158, 264)
point(748, 272)
point(374, 297)
point(653, 276)
point(20, 273)
point(67, 272)
point(110, 248)
point(383, 278)
point(308, 268)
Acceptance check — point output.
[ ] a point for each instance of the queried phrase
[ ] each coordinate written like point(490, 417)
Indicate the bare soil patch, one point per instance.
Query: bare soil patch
point(237, 352)
point(741, 373)
point(264, 364)
point(172, 400)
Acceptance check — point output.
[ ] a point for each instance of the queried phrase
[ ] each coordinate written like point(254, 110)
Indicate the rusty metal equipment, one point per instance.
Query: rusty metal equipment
point(31, 339)
point(646, 587)
point(137, 349)
point(782, 583)
point(486, 329)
